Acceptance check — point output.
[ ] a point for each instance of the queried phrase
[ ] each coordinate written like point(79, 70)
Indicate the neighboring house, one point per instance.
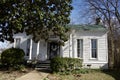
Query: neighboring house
point(87, 42)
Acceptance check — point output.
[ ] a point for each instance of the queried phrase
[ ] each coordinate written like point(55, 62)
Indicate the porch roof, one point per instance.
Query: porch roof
point(88, 27)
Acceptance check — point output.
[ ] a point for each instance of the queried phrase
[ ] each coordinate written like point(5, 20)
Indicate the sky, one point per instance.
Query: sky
point(76, 16)
point(77, 12)
point(80, 12)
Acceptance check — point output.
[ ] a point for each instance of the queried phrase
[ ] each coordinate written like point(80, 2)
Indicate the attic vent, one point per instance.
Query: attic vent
point(89, 65)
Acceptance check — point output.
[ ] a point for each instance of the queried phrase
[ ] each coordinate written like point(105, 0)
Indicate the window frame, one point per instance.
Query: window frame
point(79, 52)
point(96, 49)
point(28, 47)
point(17, 45)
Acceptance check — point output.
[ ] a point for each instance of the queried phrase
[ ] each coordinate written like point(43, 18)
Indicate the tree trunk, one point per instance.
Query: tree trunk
point(111, 46)
point(111, 54)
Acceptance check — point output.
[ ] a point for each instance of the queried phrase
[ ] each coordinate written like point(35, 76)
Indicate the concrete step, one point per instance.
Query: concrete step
point(39, 68)
point(43, 65)
point(44, 62)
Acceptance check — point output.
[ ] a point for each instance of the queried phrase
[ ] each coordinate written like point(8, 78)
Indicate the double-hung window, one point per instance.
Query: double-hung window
point(28, 47)
point(80, 48)
point(93, 48)
point(17, 45)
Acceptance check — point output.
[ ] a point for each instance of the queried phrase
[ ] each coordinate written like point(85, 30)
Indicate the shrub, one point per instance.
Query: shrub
point(59, 64)
point(19, 67)
point(12, 57)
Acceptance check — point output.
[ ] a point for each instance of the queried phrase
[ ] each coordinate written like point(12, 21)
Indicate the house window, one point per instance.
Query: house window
point(17, 45)
point(28, 47)
point(94, 48)
point(79, 48)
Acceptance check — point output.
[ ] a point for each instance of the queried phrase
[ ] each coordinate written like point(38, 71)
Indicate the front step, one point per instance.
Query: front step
point(43, 65)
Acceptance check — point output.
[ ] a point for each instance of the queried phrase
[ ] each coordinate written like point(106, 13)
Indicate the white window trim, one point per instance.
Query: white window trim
point(91, 50)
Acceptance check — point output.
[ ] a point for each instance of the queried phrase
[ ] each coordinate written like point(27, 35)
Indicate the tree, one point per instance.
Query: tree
point(107, 10)
point(38, 18)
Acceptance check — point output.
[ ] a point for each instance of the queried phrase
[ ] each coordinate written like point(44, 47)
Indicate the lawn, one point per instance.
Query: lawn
point(106, 75)
point(13, 74)
point(6, 75)
point(92, 75)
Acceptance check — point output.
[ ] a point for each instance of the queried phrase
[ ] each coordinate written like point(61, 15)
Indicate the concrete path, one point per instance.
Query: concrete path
point(34, 75)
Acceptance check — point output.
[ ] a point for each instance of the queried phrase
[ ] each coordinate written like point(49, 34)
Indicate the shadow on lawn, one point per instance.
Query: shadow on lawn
point(114, 73)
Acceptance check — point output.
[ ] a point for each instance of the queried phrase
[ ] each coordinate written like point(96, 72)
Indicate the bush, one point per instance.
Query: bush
point(59, 64)
point(12, 57)
point(19, 67)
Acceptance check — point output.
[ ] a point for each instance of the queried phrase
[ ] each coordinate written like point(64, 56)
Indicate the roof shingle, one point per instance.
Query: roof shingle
point(88, 27)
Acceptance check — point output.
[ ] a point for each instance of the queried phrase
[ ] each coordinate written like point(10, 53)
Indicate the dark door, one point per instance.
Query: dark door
point(53, 50)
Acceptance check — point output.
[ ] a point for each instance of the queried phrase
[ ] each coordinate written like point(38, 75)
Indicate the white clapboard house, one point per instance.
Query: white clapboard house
point(87, 42)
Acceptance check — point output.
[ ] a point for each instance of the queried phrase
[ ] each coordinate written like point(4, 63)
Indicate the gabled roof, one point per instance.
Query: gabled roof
point(88, 27)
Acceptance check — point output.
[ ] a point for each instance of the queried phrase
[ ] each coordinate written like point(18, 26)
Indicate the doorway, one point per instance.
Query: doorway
point(53, 50)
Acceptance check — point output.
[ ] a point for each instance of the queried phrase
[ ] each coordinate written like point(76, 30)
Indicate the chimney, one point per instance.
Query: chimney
point(98, 21)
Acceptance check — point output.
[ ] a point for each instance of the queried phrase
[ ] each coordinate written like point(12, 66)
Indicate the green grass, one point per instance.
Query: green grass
point(92, 75)
point(100, 76)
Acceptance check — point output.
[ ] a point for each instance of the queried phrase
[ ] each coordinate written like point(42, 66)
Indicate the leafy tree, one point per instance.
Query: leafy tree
point(39, 18)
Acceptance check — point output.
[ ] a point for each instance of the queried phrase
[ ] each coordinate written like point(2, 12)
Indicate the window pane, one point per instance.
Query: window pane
point(28, 47)
point(78, 42)
point(79, 48)
point(94, 48)
point(94, 43)
point(18, 42)
point(94, 53)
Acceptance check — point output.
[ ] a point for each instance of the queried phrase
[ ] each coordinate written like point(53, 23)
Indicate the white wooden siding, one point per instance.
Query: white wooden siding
point(102, 53)
point(70, 47)
point(23, 45)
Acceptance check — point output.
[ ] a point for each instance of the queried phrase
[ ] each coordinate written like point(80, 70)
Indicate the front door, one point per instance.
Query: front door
point(53, 50)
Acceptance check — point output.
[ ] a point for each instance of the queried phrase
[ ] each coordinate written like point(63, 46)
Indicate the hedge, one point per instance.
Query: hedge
point(59, 64)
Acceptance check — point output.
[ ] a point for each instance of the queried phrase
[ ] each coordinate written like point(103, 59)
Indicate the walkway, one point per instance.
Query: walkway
point(34, 75)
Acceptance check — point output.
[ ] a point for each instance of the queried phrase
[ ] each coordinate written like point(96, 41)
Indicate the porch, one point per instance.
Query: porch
point(42, 51)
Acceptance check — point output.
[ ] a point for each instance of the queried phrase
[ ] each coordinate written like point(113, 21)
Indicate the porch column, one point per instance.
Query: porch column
point(73, 46)
point(69, 44)
point(30, 54)
point(38, 47)
point(14, 43)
